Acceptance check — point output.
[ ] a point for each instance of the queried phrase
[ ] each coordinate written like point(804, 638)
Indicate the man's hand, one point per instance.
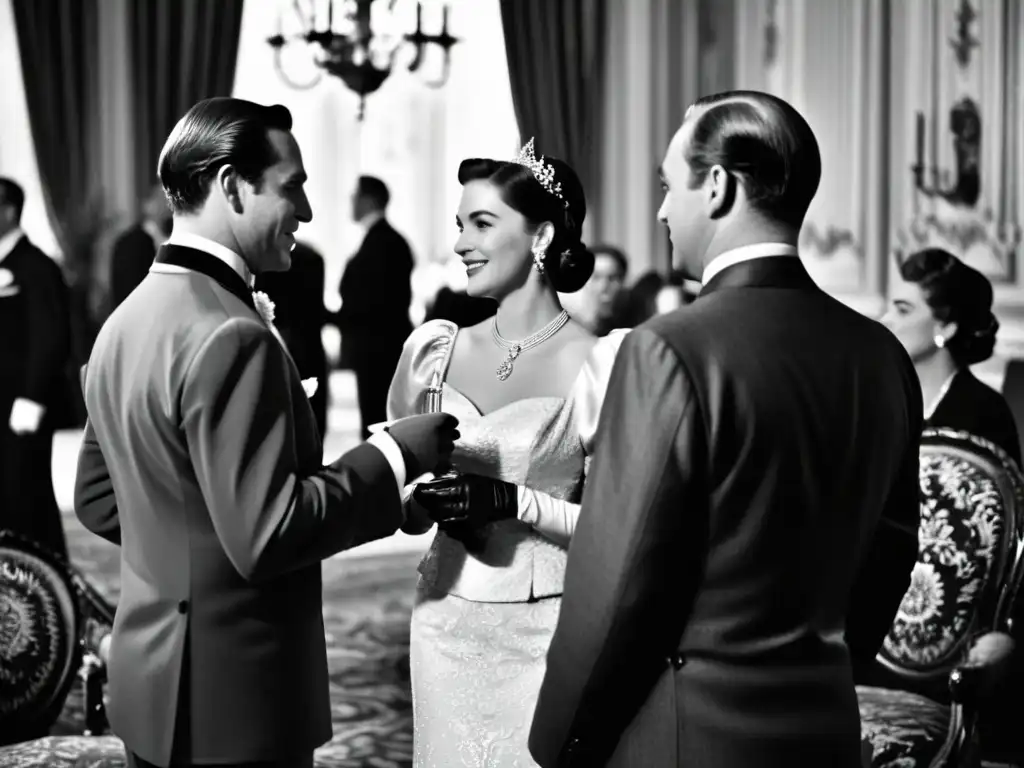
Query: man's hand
point(427, 440)
point(26, 416)
point(467, 499)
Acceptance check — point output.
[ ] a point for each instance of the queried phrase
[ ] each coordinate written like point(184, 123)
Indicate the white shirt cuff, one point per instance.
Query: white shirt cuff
point(386, 444)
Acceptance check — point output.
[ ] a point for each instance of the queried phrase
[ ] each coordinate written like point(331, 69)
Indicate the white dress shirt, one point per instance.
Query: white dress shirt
point(382, 441)
point(745, 253)
point(204, 244)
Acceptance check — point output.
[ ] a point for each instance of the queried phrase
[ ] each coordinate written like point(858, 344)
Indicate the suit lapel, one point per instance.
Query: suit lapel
point(768, 272)
point(211, 266)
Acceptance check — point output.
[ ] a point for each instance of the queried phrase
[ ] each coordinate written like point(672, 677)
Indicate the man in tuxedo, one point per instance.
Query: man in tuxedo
point(749, 524)
point(35, 345)
point(299, 316)
point(135, 249)
point(202, 460)
point(375, 296)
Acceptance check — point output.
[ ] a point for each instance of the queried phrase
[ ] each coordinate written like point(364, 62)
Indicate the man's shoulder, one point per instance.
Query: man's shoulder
point(384, 232)
point(187, 317)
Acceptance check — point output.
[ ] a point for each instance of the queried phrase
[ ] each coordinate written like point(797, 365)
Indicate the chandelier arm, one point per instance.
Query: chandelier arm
point(292, 83)
point(307, 21)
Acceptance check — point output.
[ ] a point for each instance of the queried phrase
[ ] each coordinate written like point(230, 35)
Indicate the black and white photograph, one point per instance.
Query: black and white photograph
point(511, 383)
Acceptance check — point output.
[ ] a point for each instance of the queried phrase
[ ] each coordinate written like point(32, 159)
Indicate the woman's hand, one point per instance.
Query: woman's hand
point(467, 500)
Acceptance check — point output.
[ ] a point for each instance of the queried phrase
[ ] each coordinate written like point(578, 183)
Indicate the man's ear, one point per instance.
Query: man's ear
point(230, 185)
point(720, 192)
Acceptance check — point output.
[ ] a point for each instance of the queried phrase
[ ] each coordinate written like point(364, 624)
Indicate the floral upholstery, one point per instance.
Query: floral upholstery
point(39, 626)
point(962, 513)
point(970, 501)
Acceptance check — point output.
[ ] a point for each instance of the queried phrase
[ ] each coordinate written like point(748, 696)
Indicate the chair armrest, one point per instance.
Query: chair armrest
point(978, 676)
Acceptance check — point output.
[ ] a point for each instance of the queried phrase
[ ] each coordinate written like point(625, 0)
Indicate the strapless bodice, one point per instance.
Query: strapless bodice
point(541, 443)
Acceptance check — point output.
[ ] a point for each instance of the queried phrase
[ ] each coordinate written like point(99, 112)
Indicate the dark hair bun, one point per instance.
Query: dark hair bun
point(975, 346)
point(570, 269)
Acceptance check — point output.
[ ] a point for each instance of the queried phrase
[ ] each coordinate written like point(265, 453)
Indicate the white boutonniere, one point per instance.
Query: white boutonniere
point(310, 385)
point(264, 306)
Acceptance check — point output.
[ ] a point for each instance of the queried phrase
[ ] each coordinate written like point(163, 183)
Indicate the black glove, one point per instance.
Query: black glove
point(462, 501)
point(426, 441)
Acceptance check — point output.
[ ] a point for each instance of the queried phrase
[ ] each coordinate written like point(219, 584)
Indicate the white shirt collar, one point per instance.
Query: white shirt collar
point(745, 253)
point(229, 257)
point(8, 241)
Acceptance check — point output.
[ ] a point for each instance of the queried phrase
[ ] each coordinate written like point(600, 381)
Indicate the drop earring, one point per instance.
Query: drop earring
point(940, 341)
point(538, 259)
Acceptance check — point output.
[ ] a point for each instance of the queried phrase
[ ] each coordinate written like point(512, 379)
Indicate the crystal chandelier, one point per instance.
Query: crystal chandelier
point(353, 47)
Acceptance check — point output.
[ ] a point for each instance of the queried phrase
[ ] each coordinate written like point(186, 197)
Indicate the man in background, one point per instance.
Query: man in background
point(376, 292)
point(299, 316)
point(35, 346)
point(136, 247)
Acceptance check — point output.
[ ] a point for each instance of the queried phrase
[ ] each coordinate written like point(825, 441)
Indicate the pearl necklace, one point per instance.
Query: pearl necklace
point(516, 348)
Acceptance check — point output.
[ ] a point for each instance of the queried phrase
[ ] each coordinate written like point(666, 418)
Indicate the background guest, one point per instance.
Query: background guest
point(135, 249)
point(376, 293)
point(299, 317)
point(606, 291)
point(941, 311)
point(460, 308)
point(34, 347)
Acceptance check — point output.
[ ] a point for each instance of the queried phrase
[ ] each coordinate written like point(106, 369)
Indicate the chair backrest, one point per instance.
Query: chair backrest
point(40, 634)
point(1013, 392)
point(967, 571)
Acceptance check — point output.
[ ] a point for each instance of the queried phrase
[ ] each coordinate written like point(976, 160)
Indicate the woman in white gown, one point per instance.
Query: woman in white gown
point(490, 585)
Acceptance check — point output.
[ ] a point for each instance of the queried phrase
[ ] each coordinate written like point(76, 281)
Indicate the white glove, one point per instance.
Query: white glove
point(25, 416)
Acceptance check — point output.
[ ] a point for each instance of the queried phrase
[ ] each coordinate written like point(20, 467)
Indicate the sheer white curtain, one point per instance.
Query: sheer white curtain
point(17, 153)
point(413, 137)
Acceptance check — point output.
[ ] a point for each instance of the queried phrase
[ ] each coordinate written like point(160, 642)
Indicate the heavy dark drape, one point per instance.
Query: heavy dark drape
point(181, 51)
point(176, 52)
point(59, 47)
point(555, 54)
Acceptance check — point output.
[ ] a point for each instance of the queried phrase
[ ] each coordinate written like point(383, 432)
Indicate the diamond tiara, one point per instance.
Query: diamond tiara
point(543, 172)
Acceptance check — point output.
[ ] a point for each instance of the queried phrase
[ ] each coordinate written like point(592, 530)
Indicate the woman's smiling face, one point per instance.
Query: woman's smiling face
point(494, 241)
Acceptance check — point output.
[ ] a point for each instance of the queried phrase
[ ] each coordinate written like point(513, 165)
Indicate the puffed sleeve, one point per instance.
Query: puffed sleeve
point(556, 518)
point(428, 349)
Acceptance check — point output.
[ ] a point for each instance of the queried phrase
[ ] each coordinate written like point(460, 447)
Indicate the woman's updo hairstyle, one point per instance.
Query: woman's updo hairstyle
point(567, 263)
point(956, 293)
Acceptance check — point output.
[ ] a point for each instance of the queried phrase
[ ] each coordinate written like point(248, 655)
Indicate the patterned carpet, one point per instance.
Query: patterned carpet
point(367, 605)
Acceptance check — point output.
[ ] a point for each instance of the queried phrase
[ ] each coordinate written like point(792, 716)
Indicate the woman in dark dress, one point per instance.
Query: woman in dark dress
point(941, 311)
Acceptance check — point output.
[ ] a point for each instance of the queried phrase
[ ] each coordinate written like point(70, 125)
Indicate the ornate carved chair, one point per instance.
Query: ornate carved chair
point(949, 643)
point(51, 621)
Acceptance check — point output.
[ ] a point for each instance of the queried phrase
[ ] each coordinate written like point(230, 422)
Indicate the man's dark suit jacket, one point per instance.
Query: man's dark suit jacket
point(201, 459)
point(374, 318)
point(299, 316)
point(748, 527)
point(35, 349)
point(130, 262)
